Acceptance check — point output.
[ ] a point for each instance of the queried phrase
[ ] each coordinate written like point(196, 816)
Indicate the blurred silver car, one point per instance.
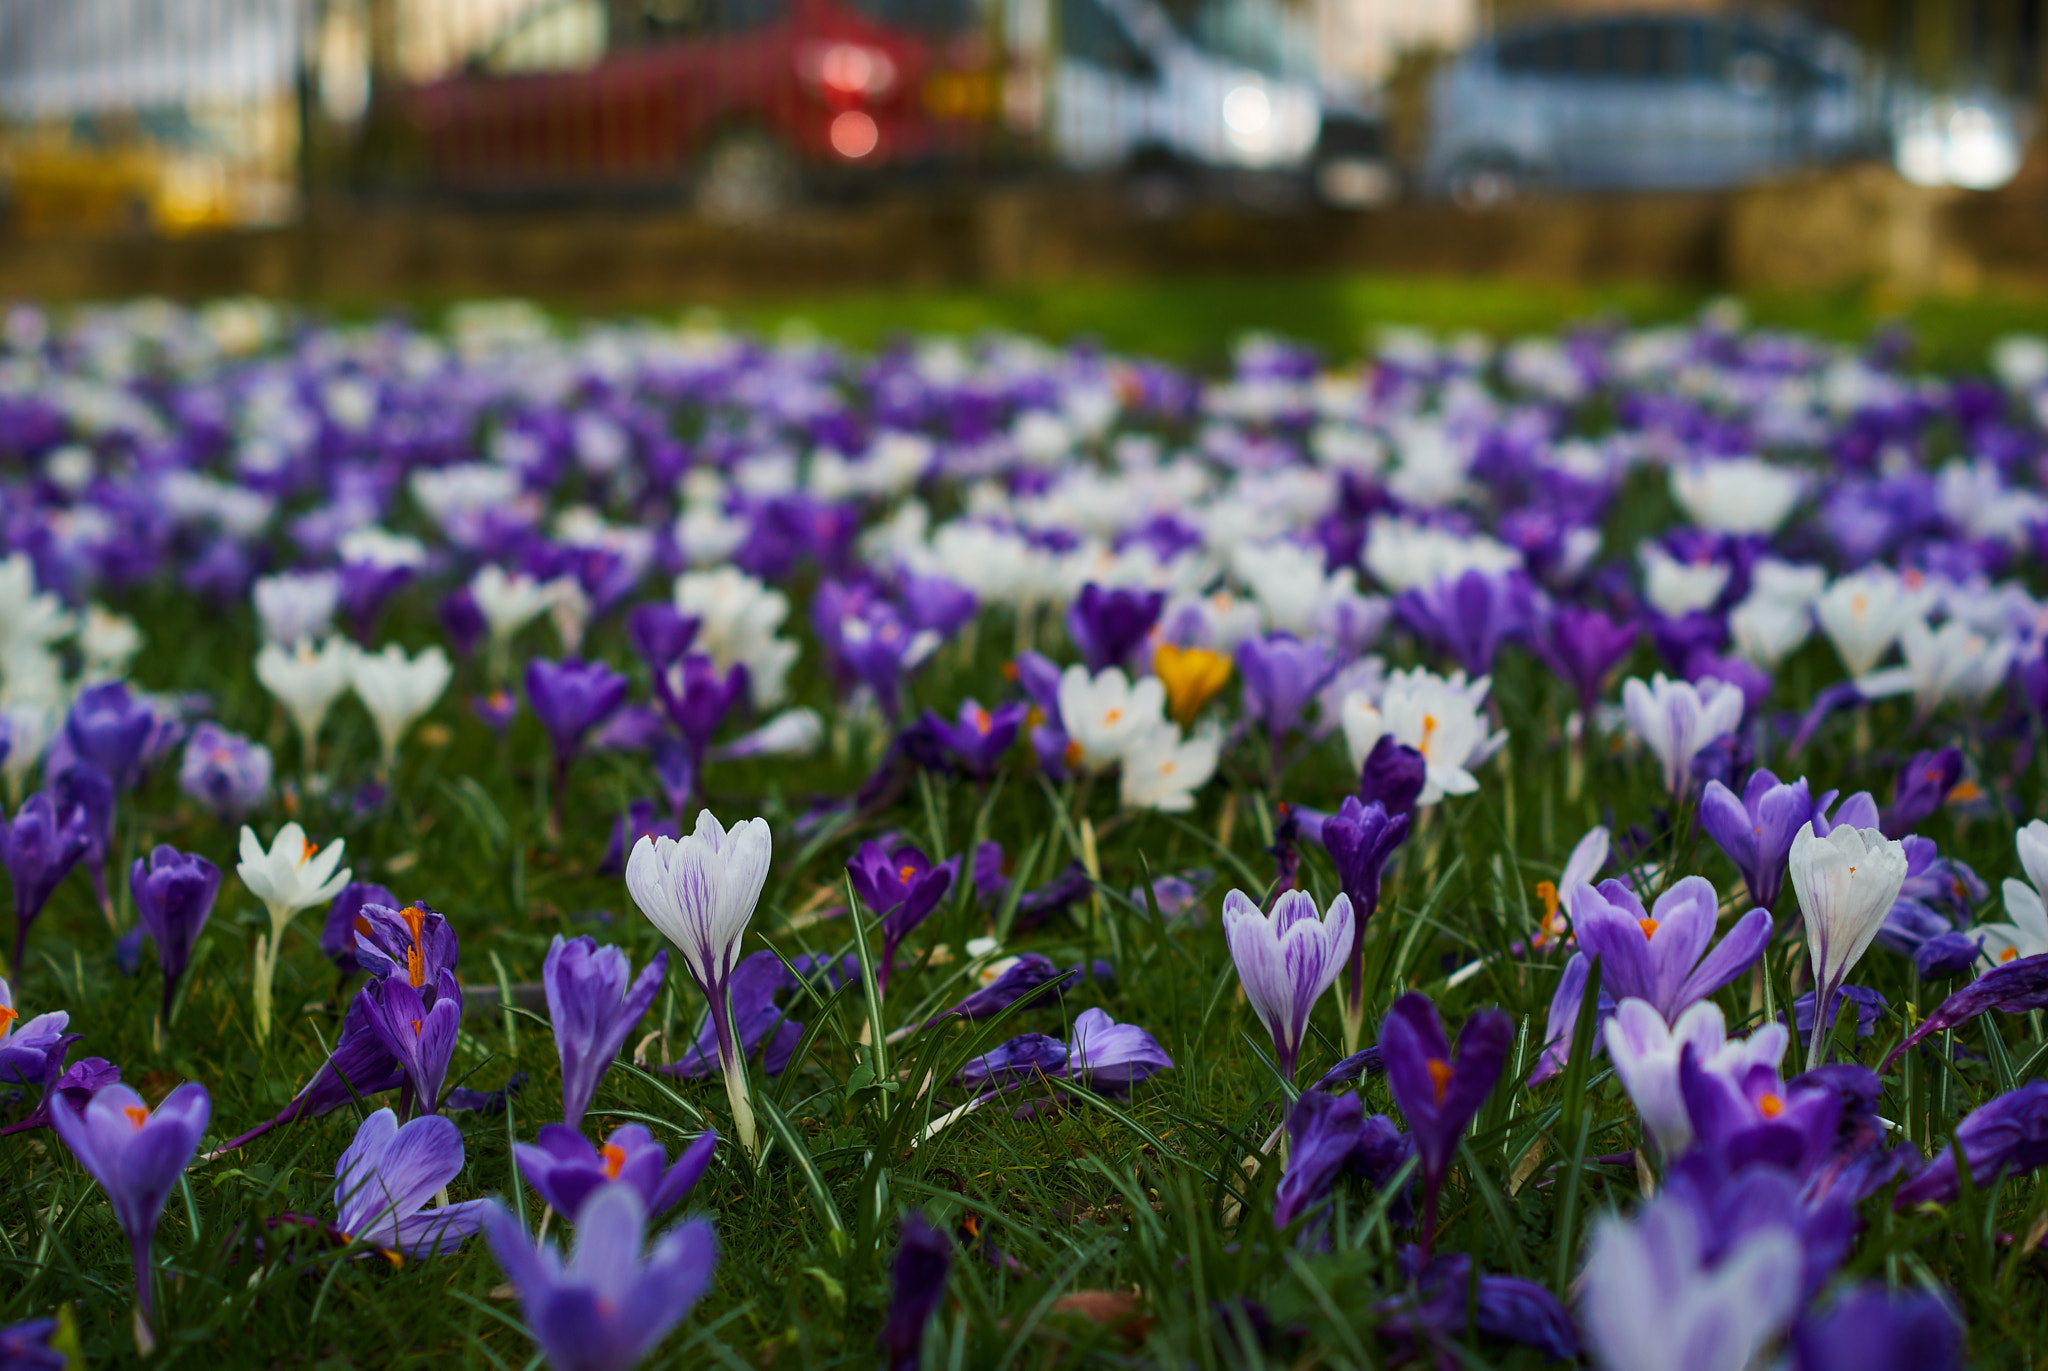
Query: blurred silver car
point(1649, 102)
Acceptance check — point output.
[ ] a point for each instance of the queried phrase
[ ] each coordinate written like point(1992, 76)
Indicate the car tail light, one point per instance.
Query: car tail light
point(848, 69)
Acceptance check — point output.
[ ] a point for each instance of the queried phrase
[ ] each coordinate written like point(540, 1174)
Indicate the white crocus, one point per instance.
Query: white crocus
point(2026, 933)
point(508, 603)
point(397, 690)
point(296, 605)
point(306, 681)
point(1953, 662)
point(1846, 883)
point(1676, 587)
point(28, 618)
point(1163, 770)
point(1767, 630)
point(737, 621)
point(792, 733)
point(700, 891)
point(1105, 715)
point(1439, 717)
point(108, 642)
point(1862, 614)
point(291, 876)
point(1675, 719)
point(1736, 495)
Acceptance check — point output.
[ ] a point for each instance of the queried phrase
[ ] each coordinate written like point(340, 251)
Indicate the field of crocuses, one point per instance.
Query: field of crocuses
point(1477, 853)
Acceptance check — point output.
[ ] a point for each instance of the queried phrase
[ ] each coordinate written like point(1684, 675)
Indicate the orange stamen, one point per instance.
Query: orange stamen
point(415, 967)
point(981, 722)
point(415, 920)
point(7, 1018)
point(1428, 731)
point(307, 855)
point(1072, 755)
point(614, 1160)
point(2008, 954)
point(1112, 718)
point(137, 1115)
point(1649, 927)
point(906, 874)
point(1439, 1075)
point(415, 1028)
point(1770, 1106)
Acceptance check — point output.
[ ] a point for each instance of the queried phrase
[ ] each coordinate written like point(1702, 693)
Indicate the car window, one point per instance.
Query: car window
point(924, 16)
point(743, 15)
point(636, 23)
point(1092, 34)
point(566, 36)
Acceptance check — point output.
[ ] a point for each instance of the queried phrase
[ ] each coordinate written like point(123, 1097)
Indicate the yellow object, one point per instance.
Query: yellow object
point(1192, 677)
point(114, 174)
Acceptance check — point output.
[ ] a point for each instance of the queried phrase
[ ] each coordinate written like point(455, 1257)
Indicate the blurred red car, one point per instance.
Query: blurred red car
point(739, 104)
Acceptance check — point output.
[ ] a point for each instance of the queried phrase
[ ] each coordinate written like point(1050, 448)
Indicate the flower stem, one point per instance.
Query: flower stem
point(733, 1066)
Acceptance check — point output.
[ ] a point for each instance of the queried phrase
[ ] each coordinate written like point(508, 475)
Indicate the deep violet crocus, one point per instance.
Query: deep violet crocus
point(1108, 622)
point(570, 698)
point(137, 1155)
point(593, 1003)
point(39, 849)
point(1756, 831)
point(981, 737)
point(1470, 615)
point(25, 1048)
point(1281, 677)
point(31, 1346)
point(383, 1181)
point(345, 920)
point(902, 888)
point(1393, 776)
point(1286, 960)
point(1661, 954)
point(1439, 1095)
point(2010, 1133)
point(1031, 976)
point(923, 1261)
point(109, 727)
point(1360, 838)
point(1322, 1131)
point(566, 1168)
point(174, 894)
point(608, 1305)
point(1924, 786)
point(1582, 647)
point(418, 1025)
point(1871, 1329)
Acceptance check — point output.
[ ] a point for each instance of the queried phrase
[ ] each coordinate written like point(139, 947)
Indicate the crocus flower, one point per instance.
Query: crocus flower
point(27, 1346)
point(1924, 786)
point(1193, 676)
point(571, 698)
point(307, 682)
point(25, 1048)
point(225, 772)
point(593, 1003)
point(1323, 1131)
point(39, 849)
point(1447, 1294)
point(418, 1021)
point(345, 920)
point(700, 891)
point(137, 1155)
point(291, 876)
point(903, 888)
point(174, 894)
point(1108, 622)
point(1106, 714)
point(2010, 1133)
point(977, 743)
point(1582, 646)
point(1846, 883)
point(696, 697)
point(1393, 776)
point(1286, 960)
point(1470, 614)
point(359, 1066)
point(397, 690)
point(1658, 1297)
point(1108, 1056)
point(1360, 838)
point(1438, 717)
point(923, 1260)
point(608, 1306)
point(1281, 677)
point(1756, 831)
point(1871, 1329)
point(1661, 955)
point(383, 1181)
point(566, 1169)
point(1646, 1054)
point(758, 1022)
point(1032, 976)
point(1675, 719)
point(1438, 1096)
point(109, 727)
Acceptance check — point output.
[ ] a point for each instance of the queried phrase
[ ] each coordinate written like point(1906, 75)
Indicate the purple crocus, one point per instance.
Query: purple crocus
point(383, 1181)
point(696, 697)
point(1032, 976)
point(495, 709)
point(225, 772)
point(109, 727)
point(1857, 811)
point(570, 698)
point(1583, 647)
point(1470, 615)
point(137, 1155)
point(1437, 1095)
point(25, 1048)
point(1871, 1329)
point(1393, 776)
point(640, 820)
point(360, 1066)
point(902, 888)
point(923, 1260)
point(945, 607)
point(757, 1022)
point(1024, 1058)
point(1322, 1133)
point(1108, 622)
point(26, 1346)
point(174, 894)
point(2010, 1133)
point(39, 848)
point(977, 743)
point(1281, 677)
point(418, 1025)
point(1924, 786)
point(660, 633)
point(565, 1168)
point(593, 1003)
point(1110, 1057)
point(1360, 838)
point(1756, 831)
point(345, 920)
point(1661, 955)
point(607, 1306)
point(1286, 960)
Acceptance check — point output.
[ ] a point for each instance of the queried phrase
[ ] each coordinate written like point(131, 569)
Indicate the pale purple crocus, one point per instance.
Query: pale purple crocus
point(1855, 811)
point(608, 1305)
point(25, 1047)
point(1470, 615)
point(137, 1155)
point(1646, 1053)
point(1675, 719)
point(1281, 677)
point(1437, 1094)
point(39, 849)
point(1756, 831)
point(1662, 955)
point(566, 1168)
point(225, 772)
point(593, 1003)
point(1111, 1057)
point(1286, 960)
point(383, 1181)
